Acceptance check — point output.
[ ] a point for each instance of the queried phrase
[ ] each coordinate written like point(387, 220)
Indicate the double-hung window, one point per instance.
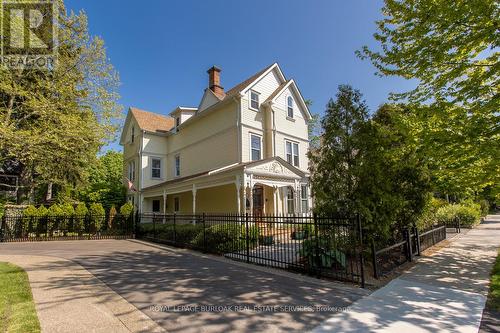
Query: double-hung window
point(177, 205)
point(303, 199)
point(292, 153)
point(255, 143)
point(254, 100)
point(177, 165)
point(155, 168)
point(289, 102)
point(131, 171)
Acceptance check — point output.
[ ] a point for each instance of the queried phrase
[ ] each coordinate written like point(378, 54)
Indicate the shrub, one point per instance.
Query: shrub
point(467, 213)
point(428, 217)
point(30, 214)
point(111, 217)
point(97, 215)
point(126, 209)
point(485, 207)
point(42, 211)
point(223, 238)
point(68, 212)
point(80, 212)
point(54, 214)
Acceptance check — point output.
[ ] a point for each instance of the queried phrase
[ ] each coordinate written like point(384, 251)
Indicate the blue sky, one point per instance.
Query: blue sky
point(162, 49)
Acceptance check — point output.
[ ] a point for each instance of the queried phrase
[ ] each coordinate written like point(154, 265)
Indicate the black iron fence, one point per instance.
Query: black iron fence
point(19, 228)
point(412, 243)
point(328, 246)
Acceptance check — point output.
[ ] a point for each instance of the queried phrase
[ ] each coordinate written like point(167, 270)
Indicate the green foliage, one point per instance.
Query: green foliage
point(30, 211)
point(42, 211)
point(126, 209)
point(17, 308)
point(184, 233)
point(97, 215)
point(111, 217)
point(30, 217)
point(222, 238)
point(493, 301)
point(55, 121)
point(54, 214)
point(330, 251)
point(105, 181)
point(428, 217)
point(468, 214)
point(80, 212)
point(81, 209)
point(368, 166)
point(451, 49)
point(485, 207)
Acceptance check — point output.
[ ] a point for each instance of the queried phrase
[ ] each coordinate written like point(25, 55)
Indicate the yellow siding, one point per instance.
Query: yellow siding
point(208, 143)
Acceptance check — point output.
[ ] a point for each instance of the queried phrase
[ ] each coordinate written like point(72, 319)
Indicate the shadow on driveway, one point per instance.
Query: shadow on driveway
point(160, 282)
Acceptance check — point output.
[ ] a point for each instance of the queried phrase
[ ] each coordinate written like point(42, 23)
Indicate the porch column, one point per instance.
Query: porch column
point(251, 194)
point(275, 199)
point(194, 198)
point(164, 202)
point(141, 202)
point(238, 190)
point(244, 209)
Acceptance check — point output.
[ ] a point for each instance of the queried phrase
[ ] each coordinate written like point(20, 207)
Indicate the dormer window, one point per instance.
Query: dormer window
point(132, 134)
point(254, 100)
point(289, 102)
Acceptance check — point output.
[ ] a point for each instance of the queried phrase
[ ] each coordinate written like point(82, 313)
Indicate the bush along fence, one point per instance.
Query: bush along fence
point(324, 246)
point(411, 243)
point(32, 227)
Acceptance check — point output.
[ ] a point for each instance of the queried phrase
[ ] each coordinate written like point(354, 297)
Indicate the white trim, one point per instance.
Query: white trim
point(250, 134)
point(301, 100)
point(250, 100)
point(271, 68)
point(175, 165)
point(151, 158)
point(293, 155)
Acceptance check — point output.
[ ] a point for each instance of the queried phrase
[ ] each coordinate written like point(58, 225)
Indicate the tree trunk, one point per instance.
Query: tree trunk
point(48, 196)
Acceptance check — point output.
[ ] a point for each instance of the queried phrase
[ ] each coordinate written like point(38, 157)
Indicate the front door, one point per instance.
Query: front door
point(258, 200)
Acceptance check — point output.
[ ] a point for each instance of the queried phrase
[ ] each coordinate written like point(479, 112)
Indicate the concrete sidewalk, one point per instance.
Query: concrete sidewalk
point(70, 299)
point(445, 292)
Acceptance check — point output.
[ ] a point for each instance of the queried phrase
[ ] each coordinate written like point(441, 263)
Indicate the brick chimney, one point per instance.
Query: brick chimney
point(214, 81)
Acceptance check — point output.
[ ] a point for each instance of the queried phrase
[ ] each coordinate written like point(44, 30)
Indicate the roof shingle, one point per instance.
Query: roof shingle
point(152, 122)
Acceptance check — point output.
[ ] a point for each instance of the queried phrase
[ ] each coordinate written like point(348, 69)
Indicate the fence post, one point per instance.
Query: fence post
point(374, 260)
point(408, 244)
point(316, 243)
point(458, 225)
point(417, 239)
point(247, 238)
point(204, 233)
point(361, 258)
point(175, 233)
point(137, 224)
point(155, 236)
point(2, 228)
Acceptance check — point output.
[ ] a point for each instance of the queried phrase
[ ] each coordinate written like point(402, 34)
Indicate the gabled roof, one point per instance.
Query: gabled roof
point(152, 122)
point(290, 83)
point(242, 85)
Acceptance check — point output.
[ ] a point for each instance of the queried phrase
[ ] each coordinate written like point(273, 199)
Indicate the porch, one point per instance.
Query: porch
point(266, 187)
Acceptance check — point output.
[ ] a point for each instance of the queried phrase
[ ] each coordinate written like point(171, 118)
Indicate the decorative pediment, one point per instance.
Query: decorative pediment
point(275, 168)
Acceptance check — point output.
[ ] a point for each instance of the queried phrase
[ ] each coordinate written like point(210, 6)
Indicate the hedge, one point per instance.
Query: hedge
point(469, 214)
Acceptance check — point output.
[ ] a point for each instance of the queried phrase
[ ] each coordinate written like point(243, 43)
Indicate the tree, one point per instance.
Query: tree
point(105, 181)
point(333, 163)
point(451, 48)
point(369, 166)
point(54, 122)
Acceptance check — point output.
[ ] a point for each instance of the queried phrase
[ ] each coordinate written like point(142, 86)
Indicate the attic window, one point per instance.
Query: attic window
point(254, 100)
point(289, 102)
point(177, 122)
point(132, 134)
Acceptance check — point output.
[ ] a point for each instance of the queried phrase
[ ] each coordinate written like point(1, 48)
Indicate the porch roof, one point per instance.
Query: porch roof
point(270, 167)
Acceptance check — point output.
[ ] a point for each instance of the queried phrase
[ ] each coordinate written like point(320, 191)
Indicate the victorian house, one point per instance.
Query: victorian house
point(243, 150)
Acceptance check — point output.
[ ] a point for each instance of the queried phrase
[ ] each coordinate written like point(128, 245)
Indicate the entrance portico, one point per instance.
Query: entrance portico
point(270, 186)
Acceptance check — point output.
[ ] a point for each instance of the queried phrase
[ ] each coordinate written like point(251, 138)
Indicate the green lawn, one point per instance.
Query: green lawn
point(17, 310)
point(494, 295)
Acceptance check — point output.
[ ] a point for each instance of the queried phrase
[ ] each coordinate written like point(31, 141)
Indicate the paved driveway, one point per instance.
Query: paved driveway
point(160, 281)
